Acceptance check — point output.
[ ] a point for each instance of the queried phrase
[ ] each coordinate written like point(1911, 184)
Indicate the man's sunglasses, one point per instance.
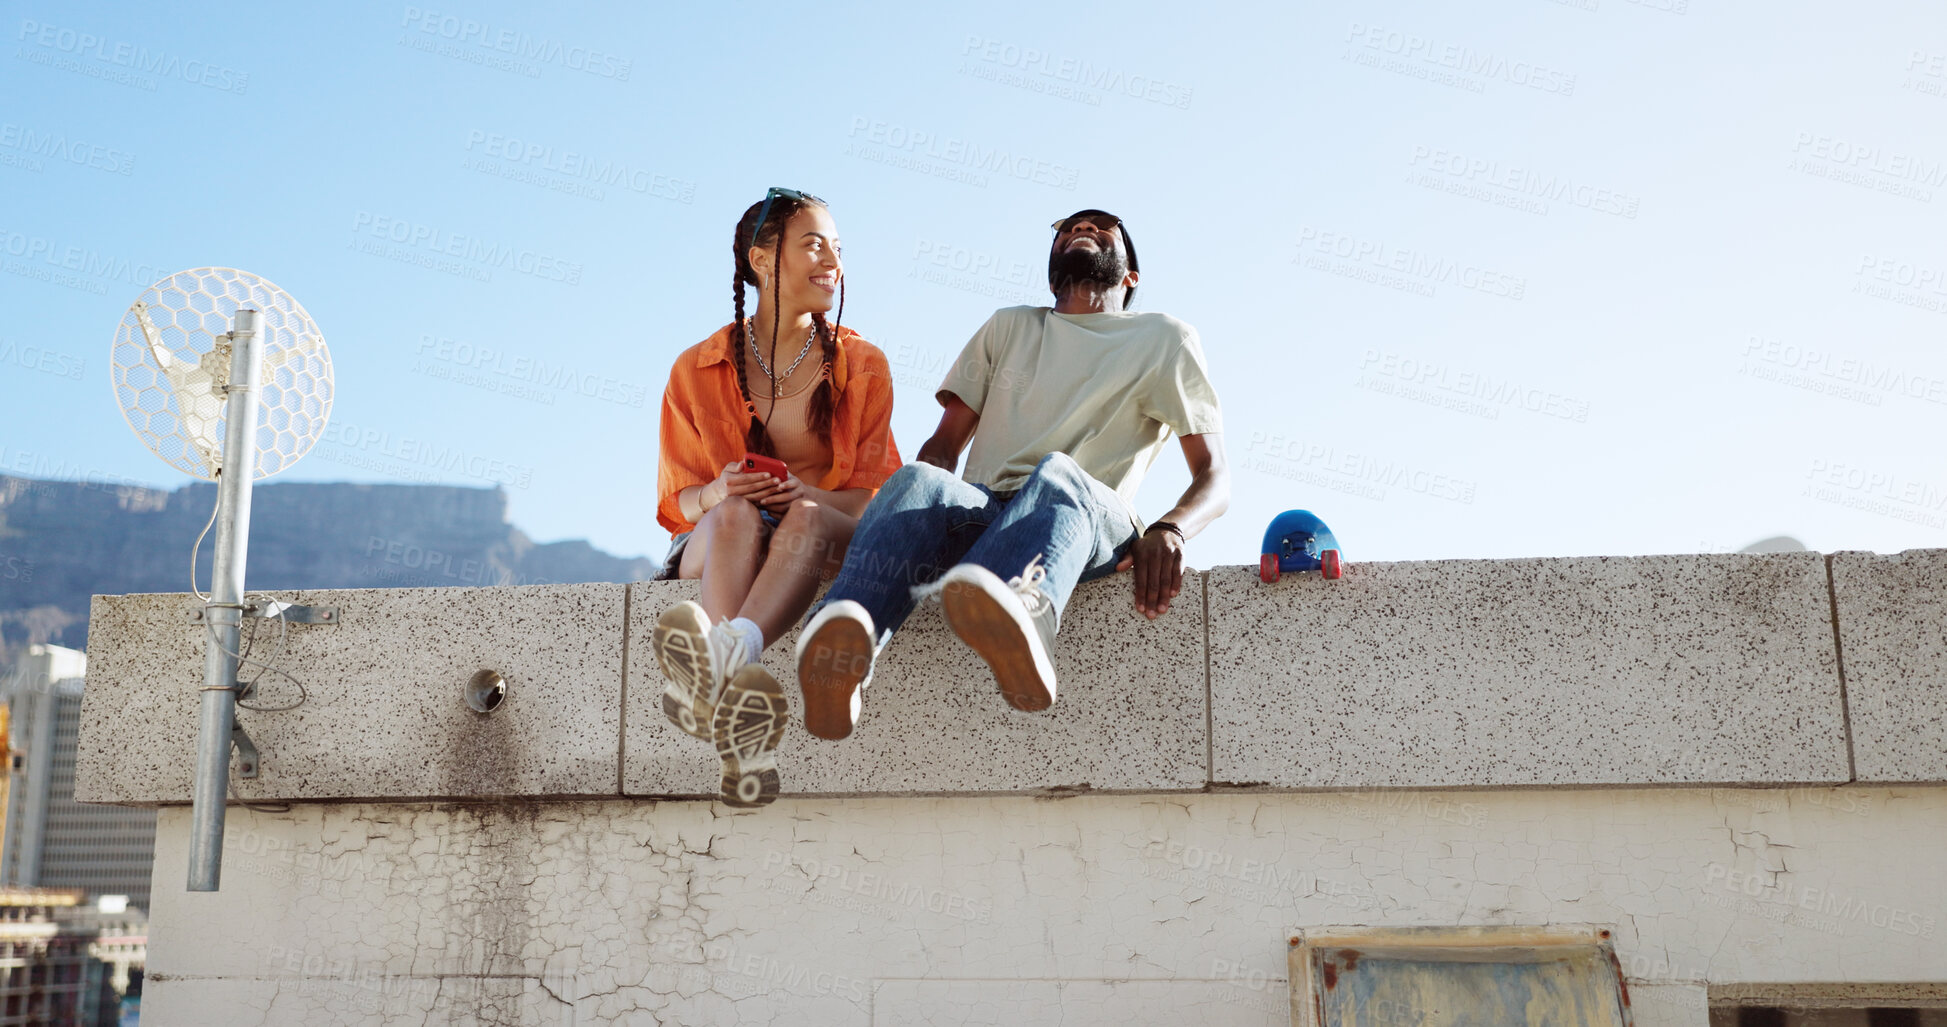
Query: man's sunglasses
point(1105, 222)
point(773, 194)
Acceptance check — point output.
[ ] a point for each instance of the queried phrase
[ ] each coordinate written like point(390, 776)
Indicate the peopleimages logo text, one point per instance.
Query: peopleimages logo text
point(136, 58)
point(438, 241)
point(1890, 163)
point(1475, 385)
point(518, 44)
point(80, 259)
point(560, 375)
point(1526, 181)
point(1855, 370)
point(432, 456)
point(954, 150)
point(576, 165)
point(1417, 264)
point(1077, 71)
point(1773, 887)
point(57, 146)
point(1463, 59)
point(40, 358)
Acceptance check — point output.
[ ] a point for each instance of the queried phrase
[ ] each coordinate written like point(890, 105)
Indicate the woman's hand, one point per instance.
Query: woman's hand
point(789, 491)
point(735, 481)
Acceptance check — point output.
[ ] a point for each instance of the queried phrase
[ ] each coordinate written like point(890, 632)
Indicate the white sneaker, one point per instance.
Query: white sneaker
point(683, 649)
point(835, 654)
point(746, 726)
point(1010, 624)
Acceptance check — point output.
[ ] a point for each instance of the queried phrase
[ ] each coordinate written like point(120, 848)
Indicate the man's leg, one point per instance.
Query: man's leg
point(1066, 525)
point(922, 522)
point(1075, 524)
point(919, 524)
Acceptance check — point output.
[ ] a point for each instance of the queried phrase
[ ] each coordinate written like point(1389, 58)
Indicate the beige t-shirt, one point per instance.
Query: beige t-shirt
point(1107, 389)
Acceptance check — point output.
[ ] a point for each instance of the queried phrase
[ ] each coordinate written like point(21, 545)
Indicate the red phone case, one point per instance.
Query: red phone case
point(769, 465)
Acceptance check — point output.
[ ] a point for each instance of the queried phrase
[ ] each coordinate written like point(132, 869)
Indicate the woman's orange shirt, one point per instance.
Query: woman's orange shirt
point(705, 417)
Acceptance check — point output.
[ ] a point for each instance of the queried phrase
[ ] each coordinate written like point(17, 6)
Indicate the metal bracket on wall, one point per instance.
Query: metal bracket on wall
point(246, 751)
point(289, 613)
point(248, 760)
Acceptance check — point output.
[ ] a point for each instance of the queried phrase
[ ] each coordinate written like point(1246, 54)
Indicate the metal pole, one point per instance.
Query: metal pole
point(223, 619)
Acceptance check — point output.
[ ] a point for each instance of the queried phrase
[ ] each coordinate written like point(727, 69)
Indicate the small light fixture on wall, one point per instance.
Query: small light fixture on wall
point(485, 690)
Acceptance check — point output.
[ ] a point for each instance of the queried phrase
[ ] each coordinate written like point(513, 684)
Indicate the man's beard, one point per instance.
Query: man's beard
point(1096, 267)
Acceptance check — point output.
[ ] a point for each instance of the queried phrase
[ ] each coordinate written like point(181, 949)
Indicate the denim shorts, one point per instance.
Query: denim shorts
point(673, 563)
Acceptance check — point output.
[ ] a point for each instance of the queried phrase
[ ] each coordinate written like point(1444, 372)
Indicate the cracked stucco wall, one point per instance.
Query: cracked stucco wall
point(1097, 909)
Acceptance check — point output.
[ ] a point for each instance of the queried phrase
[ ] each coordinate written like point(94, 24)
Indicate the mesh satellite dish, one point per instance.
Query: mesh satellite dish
point(219, 371)
point(171, 370)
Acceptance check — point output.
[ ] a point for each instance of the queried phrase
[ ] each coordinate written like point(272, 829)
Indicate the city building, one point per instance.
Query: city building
point(65, 962)
point(50, 840)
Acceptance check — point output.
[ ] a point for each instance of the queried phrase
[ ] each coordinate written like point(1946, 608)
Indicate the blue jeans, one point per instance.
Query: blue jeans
point(926, 520)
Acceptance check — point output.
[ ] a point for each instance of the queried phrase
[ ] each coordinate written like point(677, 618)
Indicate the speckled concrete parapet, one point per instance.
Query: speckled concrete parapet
point(1129, 713)
point(1641, 670)
point(384, 715)
point(1893, 633)
point(1566, 672)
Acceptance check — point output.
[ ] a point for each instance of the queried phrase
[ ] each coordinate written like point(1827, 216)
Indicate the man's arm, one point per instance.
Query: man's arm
point(1158, 556)
point(956, 427)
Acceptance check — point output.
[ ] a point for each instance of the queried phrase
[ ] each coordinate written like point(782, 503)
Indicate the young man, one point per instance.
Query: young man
point(1066, 407)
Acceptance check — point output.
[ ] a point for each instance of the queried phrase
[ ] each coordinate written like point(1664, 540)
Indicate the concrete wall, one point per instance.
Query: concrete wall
point(1464, 742)
point(1016, 910)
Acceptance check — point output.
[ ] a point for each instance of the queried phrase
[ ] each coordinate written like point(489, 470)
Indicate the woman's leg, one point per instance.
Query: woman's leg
point(725, 551)
point(808, 545)
point(713, 694)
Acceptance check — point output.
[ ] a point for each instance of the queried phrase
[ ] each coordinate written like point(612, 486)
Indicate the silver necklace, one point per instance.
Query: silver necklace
point(777, 380)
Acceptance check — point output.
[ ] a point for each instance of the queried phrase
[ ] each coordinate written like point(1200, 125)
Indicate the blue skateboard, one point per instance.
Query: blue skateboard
point(1298, 541)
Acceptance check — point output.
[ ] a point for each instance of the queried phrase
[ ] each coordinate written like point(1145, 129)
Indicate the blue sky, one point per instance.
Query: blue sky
point(1508, 278)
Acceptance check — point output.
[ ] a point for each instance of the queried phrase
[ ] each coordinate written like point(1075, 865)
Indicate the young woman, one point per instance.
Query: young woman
point(783, 384)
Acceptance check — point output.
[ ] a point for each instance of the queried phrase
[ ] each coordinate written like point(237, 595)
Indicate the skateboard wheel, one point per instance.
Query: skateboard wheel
point(1330, 565)
point(1267, 567)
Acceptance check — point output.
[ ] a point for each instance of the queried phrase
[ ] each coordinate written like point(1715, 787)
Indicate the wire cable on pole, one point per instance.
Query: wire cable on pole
point(264, 666)
point(196, 549)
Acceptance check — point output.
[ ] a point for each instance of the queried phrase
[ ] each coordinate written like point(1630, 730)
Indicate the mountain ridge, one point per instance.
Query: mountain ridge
point(64, 541)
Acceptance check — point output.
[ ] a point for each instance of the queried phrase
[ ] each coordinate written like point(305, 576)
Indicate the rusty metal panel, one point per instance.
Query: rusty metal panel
point(1457, 977)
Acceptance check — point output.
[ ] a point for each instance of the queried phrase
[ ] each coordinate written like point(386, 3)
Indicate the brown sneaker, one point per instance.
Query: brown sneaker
point(1011, 624)
point(746, 726)
point(835, 654)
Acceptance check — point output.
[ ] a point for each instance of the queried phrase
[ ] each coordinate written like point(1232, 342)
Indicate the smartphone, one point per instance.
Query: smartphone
point(769, 465)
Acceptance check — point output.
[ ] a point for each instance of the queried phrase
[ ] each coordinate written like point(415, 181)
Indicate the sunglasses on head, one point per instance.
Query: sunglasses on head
point(772, 194)
point(1105, 222)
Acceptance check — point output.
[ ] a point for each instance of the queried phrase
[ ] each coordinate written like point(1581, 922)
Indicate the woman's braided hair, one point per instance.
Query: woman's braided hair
point(824, 400)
